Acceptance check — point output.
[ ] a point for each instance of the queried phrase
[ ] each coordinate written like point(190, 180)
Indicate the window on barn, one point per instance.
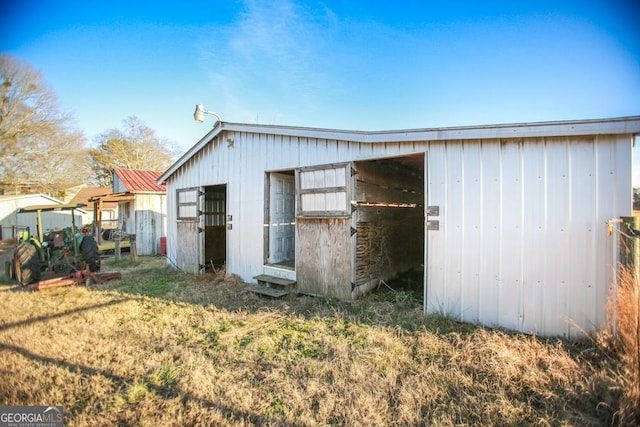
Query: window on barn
point(323, 191)
point(187, 204)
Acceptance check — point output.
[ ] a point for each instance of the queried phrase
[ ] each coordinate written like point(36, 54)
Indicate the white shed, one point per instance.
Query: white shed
point(506, 223)
point(11, 221)
point(141, 208)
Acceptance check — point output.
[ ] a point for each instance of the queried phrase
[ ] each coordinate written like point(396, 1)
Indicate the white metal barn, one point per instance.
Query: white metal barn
point(506, 223)
point(11, 221)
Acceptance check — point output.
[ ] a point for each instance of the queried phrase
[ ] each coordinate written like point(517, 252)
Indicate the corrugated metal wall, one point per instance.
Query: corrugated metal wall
point(522, 241)
point(9, 216)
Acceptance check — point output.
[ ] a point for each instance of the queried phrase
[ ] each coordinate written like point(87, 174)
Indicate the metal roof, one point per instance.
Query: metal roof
point(86, 194)
point(47, 208)
point(140, 181)
point(612, 126)
point(10, 197)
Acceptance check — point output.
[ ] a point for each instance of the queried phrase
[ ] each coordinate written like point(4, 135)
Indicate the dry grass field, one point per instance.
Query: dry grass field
point(162, 348)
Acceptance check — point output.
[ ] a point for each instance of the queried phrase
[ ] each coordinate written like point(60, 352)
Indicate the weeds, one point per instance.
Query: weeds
point(202, 351)
point(624, 338)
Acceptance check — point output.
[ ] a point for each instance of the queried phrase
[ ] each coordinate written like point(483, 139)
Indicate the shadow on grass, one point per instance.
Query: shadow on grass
point(32, 320)
point(120, 382)
point(150, 277)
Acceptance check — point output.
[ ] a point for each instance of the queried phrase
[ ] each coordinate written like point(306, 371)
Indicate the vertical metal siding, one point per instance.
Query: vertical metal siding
point(534, 231)
point(453, 230)
point(472, 224)
point(50, 220)
point(435, 266)
point(490, 230)
point(582, 193)
point(511, 211)
point(537, 229)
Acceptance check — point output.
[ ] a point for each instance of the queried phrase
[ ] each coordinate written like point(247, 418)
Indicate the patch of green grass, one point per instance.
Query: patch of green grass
point(443, 324)
point(149, 282)
point(165, 378)
point(297, 339)
point(275, 408)
point(243, 342)
point(137, 391)
point(211, 340)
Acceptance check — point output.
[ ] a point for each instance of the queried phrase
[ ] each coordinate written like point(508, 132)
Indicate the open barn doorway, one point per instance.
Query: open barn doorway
point(389, 232)
point(214, 222)
point(280, 220)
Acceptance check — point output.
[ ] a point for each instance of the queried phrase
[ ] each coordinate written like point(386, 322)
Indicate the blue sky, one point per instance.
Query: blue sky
point(368, 65)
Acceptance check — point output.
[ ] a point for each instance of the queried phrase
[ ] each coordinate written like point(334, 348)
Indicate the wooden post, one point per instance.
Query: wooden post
point(117, 250)
point(97, 216)
point(133, 247)
point(630, 245)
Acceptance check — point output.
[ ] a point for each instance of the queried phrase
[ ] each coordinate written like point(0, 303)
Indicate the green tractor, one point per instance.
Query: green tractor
point(60, 251)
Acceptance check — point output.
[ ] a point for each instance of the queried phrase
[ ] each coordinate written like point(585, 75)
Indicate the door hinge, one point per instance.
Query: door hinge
point(433, 210)
point(353, 231)
point(433, 224)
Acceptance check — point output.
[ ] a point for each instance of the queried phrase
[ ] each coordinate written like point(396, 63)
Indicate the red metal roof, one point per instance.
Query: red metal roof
point(140, 181)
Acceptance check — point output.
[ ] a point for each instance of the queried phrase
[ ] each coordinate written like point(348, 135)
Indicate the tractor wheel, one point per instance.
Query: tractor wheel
point(90, 254)
point(26, 263)
point(9, 271)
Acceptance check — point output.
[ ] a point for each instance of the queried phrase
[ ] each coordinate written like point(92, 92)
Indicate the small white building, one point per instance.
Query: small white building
point(506, 222)
point(11, 221)
point(141, 207)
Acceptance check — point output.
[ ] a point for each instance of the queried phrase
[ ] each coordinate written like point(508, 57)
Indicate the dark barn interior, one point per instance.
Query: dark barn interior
point(389, 207)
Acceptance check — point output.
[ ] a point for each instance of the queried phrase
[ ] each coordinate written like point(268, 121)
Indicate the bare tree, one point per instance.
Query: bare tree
point(40, 149)
point(135, 146)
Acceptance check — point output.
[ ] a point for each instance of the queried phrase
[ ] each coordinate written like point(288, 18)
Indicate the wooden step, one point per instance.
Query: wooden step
point(272, 286)
point(263, 290)
point(279, 282)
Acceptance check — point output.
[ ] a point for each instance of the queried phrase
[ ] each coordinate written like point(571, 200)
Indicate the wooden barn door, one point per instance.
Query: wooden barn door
point(323, 224)
point(189, 255)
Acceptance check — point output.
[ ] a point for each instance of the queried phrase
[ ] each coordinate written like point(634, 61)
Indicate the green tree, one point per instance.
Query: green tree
point(135, 146)
point(41, 151)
